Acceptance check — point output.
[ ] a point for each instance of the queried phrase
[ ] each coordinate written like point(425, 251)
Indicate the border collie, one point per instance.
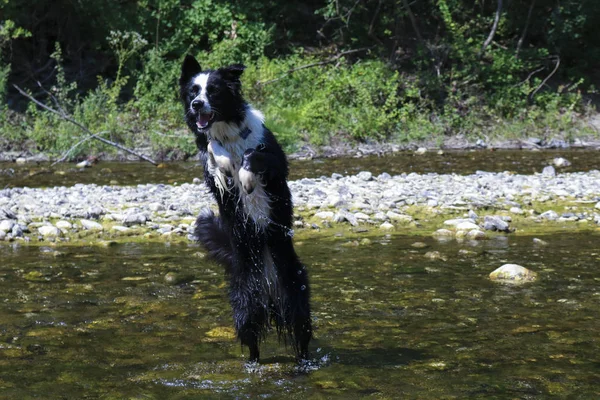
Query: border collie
point(246, 171)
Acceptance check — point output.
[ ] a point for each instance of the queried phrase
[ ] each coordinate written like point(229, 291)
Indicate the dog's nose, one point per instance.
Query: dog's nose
point(197, 104)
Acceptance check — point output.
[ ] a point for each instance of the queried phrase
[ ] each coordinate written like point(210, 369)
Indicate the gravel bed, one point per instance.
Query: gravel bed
point(382, 200)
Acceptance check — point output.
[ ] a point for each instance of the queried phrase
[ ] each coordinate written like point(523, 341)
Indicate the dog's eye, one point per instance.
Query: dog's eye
point(195, 89)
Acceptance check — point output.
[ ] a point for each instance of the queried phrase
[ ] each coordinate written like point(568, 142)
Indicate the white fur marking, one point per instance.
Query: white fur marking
point(222, 157)
point(248, 180)
point(202, 80)
point(271, 278)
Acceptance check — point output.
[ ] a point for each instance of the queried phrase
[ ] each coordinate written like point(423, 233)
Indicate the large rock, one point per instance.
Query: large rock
point(400, 218)
point(364, 176)
point(134, 219)
point(550, 215)
point(493, 223)
point(514, 274)
point(49, 231)
point(5, 213)
point(91, 225)
point(561, 162)
point(549, 171)
point(454, 222)
point(64, 225)
point(7, 225)
point(466, 226)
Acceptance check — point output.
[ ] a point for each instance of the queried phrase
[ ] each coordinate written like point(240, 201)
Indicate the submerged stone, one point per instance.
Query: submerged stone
point(175, 278)
point(513, 273)
point(476, 234)
point(434, 255)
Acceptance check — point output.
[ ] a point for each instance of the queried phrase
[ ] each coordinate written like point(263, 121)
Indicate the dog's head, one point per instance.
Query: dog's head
point(212, 95)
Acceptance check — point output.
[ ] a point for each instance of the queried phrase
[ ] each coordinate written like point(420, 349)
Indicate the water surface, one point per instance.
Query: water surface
point(459, 162)
point(95, 322)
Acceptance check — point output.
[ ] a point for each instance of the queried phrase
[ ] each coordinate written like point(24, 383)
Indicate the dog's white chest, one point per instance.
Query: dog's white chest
point(224, 163)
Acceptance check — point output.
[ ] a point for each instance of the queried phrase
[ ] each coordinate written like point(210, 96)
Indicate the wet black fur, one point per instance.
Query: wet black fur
point(234, 241)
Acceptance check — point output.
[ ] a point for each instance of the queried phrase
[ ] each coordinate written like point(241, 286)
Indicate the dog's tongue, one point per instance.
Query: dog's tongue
point(203, 120)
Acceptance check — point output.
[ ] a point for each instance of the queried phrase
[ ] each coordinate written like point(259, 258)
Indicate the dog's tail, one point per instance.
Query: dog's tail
point(212, 234)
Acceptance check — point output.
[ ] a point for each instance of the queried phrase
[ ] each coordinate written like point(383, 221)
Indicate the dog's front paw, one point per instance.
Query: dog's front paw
point(221, 157)
point(248, 173)
point(248, 179)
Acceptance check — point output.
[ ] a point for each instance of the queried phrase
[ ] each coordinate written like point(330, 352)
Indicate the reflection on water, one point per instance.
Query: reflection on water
point(103, 322)
point(459, 162)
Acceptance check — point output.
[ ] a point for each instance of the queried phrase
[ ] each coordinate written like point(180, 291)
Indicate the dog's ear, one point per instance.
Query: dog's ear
point(233, 72)
point(189, 68)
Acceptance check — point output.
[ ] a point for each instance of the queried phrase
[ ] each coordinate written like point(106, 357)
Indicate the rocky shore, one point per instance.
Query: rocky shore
point(442, 205)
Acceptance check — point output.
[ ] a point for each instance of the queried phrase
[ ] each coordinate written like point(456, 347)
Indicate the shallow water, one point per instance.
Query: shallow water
point(459, 162)
point(99, 322)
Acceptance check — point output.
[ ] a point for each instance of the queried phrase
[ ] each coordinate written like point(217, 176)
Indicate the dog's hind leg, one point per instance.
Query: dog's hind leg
point(249, 312)
point(297, 321)
point(300, 309)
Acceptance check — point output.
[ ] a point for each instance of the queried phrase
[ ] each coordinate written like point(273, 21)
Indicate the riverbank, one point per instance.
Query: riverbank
point(345, 149)
point(477, 206)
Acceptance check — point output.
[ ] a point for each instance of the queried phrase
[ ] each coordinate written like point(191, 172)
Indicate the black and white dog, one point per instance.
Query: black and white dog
point(246, 171)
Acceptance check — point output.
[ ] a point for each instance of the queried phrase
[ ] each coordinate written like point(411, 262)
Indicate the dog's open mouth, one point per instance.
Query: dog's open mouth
point(204, 119)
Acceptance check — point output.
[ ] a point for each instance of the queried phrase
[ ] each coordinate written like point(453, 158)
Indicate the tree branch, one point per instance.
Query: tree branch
point(413, 20)
point(66, 154)
point(493, 31)
point(68, 118)
point(545, 79)
point(316, 64)
point(522, 38)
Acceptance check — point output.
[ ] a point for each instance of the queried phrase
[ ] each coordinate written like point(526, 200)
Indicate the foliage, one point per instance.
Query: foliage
point(114, 66)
